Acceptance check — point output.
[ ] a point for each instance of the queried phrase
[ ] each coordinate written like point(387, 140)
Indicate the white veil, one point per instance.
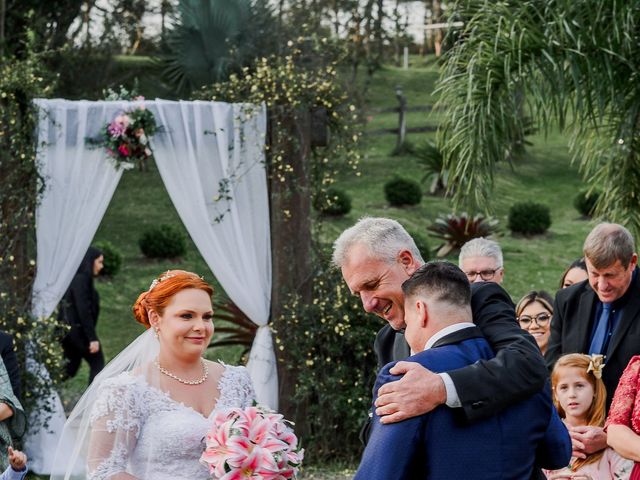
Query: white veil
point(70, 461)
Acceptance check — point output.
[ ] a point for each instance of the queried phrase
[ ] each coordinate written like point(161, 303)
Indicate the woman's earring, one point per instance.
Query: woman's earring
point(156, 330)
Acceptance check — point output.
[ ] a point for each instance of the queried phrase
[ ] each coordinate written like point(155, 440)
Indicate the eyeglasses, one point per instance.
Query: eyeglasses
point(541, 319)
point(484, 274)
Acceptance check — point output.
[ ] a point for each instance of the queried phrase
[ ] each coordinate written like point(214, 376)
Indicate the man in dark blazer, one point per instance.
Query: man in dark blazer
point(376, 256)
point(600, 315)
point(437, 445)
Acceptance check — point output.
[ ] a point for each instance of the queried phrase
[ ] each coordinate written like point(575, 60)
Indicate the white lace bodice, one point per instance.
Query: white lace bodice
point(144, 432)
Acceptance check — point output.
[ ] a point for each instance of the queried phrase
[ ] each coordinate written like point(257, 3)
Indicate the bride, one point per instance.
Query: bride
point(147, 414)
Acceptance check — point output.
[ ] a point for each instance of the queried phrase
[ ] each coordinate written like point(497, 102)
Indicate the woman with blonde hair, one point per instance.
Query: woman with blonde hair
point(146, 415)
point(580, 396)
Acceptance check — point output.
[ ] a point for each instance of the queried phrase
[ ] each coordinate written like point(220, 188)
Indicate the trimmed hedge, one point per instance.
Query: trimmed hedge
point(164, 241)
point(112, 258)
point(333, 201)
point(529, 218)
point(400, 192)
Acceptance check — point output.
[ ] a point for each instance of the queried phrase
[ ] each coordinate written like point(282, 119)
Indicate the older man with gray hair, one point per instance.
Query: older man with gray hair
point(376, 256)
point(600, 315)
point(481, 261)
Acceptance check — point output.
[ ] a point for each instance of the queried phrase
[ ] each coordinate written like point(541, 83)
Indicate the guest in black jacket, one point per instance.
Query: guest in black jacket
point(10, 360)
point(79, 308)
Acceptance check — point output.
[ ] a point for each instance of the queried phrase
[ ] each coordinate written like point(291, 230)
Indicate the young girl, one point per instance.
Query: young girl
point(580, 396)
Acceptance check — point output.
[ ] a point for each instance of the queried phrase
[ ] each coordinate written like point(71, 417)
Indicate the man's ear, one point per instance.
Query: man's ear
point(423, 312)
point(405, 258)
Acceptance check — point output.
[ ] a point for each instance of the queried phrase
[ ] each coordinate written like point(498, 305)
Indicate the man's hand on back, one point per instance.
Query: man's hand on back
point(419, 391)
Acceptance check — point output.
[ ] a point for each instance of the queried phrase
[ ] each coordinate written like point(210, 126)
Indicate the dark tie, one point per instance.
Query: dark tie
point(600, 337)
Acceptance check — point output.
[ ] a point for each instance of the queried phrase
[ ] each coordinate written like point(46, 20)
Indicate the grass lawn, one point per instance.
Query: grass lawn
point(544, 175)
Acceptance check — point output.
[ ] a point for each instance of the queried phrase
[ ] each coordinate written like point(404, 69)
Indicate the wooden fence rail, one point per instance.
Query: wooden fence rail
point(402, 109)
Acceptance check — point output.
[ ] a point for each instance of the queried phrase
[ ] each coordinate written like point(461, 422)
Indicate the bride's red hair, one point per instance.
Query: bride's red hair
point(163, 288)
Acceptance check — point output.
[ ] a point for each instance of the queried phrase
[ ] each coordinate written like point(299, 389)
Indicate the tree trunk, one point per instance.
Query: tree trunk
point(437, 18)
point(3, 11)
point(290, 212)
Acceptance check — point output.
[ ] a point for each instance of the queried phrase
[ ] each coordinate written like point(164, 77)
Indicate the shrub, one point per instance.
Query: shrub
point(333, 201)
point(529, 218)
point(456, 230)
point(164, 241)
point(585, 202)
point(400, 191)
point(326, 344)
point(112, 258)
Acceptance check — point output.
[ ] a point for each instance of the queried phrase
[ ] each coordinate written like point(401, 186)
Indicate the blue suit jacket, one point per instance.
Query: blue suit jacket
point(442, 444)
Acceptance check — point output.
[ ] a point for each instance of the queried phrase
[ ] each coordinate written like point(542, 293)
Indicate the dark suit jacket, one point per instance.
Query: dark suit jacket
point(573, 317)
point(11, 363)
point(488, 386)
point(441, 445)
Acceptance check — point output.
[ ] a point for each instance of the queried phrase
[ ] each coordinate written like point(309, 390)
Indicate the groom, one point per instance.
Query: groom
point(439, 445)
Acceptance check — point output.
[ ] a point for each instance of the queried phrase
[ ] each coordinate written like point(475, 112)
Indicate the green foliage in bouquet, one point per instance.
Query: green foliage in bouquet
point(126, 137)
point(330, 343)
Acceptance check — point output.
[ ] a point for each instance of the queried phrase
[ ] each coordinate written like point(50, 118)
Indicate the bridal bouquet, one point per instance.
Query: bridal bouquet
point(251, 443)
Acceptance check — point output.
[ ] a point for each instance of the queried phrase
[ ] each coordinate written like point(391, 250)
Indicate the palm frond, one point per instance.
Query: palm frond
point(577, 64)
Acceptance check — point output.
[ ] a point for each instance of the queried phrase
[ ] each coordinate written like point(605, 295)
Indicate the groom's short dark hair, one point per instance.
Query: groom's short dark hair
point(443, 281)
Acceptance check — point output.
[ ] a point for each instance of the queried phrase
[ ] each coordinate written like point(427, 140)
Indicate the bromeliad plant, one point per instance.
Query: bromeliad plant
point(456, 230)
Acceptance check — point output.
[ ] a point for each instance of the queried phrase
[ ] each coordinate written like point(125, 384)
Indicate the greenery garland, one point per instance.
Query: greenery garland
point(20, 82)
point(333, 376)
point(304, 77)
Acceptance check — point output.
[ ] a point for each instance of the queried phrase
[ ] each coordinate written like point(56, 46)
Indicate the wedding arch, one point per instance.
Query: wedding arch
point(198, 145)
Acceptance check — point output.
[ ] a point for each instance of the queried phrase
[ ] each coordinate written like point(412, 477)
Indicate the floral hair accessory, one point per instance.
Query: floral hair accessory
point(161, 278)
point(596, 364)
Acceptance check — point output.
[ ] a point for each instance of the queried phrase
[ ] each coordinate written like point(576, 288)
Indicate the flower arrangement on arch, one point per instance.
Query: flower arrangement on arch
point(126, 137)
point(251, 443)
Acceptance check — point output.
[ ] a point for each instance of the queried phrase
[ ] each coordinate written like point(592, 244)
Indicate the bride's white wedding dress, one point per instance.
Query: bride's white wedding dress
point(139, 429)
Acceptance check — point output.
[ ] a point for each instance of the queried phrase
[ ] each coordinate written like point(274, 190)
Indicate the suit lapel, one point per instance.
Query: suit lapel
point(458, 336)
point(586, 307)
point(629, 314)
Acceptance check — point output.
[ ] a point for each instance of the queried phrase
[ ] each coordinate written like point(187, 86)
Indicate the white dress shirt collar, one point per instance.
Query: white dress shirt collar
point(446, 331)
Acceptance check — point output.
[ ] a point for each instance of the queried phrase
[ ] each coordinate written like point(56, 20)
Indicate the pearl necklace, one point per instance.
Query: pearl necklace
point(163, 370)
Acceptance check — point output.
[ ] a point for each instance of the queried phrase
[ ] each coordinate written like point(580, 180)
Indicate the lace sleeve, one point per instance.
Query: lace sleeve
point(624, 398)
point(115, 420)
point(236, 388)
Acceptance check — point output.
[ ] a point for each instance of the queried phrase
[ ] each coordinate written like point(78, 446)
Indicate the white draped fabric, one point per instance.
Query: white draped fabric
point(200, 147)
point(79, 183)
